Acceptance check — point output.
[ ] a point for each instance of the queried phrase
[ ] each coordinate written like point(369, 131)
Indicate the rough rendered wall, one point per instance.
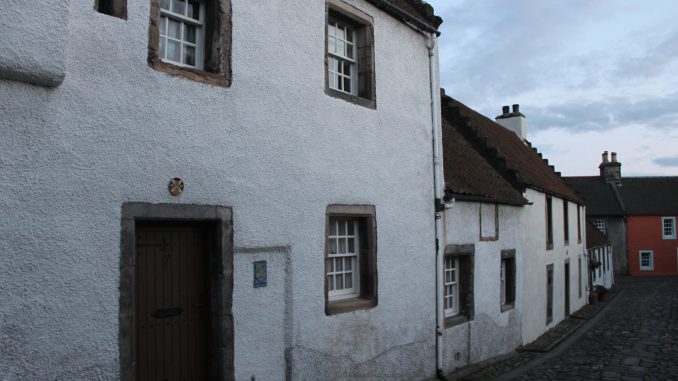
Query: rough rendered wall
point(33, 41)
point(491, 332)
point(537, 258)
point(273, 146)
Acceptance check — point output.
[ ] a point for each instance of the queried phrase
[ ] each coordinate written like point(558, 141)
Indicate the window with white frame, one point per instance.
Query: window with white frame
point(451, 286)
point(350, 258)
point(341, 49)
point(349, 56)
point(342, 260)
point(600, 225)
point(457, 282)
point(646, 260)
point(191, 39)
point(668, 227)
point(182, 36)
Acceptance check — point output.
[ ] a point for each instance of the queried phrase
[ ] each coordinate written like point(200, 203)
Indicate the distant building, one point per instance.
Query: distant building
point(637, 214)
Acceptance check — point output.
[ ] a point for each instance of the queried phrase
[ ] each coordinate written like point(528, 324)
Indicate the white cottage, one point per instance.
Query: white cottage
point(515, 234)
point(215, 188)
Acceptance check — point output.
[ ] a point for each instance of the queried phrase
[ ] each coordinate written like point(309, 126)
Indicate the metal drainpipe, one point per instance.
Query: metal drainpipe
point(439, 206)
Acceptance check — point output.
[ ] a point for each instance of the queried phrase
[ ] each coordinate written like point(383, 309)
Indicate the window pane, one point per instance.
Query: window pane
point(351, 245)
point(333, 81)
point(331, 45)
point(341, 48)
point(453, 276)
point(331, 30)
point(161, 53)
point(349, 35)
point(349, 51)
point(340, 282)
point(351, 228)
point(163, 25)
point(333, 246)
point(174, 29)
point(179, 6)
point(189, 55)
point(164, 4)
point(340, 32)
point(340, 264)
point(330, 282)
point(349, 264)
point(173, 50)
point(349, 281)
point(342, 246)
point(347, 85)
point(189, 33)
point(342, 227)
point(347, 68)
point(193, 10)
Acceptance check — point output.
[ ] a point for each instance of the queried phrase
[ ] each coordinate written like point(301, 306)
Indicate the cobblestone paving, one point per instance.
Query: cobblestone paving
point(636, 339)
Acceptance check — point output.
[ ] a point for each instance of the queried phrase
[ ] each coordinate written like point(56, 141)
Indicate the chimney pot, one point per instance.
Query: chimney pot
point(614, 157)
point(516, 108)
point(505, 110)
point(605, 159)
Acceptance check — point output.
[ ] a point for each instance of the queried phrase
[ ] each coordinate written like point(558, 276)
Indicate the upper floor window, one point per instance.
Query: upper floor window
point(566, 221)
point(115, 8)
point(578, 224)
point(669, 227)
point(549, 222)
point(191, 38)
point(182, 34)
point(600, 225)
point(349, 55)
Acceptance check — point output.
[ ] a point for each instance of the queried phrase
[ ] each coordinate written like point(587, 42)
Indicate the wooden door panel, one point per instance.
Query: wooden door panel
point(172, 319)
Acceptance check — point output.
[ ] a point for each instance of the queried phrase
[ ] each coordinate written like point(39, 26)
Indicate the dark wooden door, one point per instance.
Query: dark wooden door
point(567, 289)
point(172, 302)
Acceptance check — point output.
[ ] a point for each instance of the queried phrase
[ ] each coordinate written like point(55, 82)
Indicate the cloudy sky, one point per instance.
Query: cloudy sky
point(590, 75)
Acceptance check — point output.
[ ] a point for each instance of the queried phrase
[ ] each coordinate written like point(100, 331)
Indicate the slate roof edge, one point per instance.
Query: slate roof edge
point(429, 22)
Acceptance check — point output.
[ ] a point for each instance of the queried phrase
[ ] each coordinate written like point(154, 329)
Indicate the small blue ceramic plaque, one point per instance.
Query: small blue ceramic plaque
point(260, 274)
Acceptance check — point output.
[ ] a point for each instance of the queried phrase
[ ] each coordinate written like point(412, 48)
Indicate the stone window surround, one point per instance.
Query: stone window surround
point(368, 276)
point(466, 255)
point(495, 237)
point(365, 60)
point(222, 220)
point(510, 256)
point(217, 51)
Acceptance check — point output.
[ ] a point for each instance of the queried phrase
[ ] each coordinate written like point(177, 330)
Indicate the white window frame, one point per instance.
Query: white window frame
point(451, 274)
point(672, 227)
point(341, 254)
point(184, 20)
point(650, 264)
point(336, 60)
point(601, 225)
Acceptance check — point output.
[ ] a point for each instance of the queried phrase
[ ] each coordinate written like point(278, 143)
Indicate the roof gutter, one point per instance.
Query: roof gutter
point(414, 21)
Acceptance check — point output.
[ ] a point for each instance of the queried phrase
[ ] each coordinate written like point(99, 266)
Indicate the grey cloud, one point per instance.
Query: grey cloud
point(670, 162)
point(654, 112)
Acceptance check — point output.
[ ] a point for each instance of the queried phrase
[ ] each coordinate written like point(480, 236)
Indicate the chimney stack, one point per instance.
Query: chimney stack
point(610, 171)
point(514, 121)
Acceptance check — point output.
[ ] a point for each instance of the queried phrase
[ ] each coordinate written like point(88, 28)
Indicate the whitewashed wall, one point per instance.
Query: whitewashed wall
point(536, 259)
point(273, 147)
point(491, 332)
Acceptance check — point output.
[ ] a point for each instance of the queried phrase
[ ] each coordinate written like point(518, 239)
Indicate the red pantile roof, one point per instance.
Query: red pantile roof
point(517, 161)
point(468, 175)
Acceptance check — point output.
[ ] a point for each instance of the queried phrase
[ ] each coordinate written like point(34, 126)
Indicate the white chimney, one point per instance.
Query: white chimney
point(514, 121)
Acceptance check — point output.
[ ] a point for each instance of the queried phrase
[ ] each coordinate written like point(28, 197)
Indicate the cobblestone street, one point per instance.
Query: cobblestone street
point(636, 338)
